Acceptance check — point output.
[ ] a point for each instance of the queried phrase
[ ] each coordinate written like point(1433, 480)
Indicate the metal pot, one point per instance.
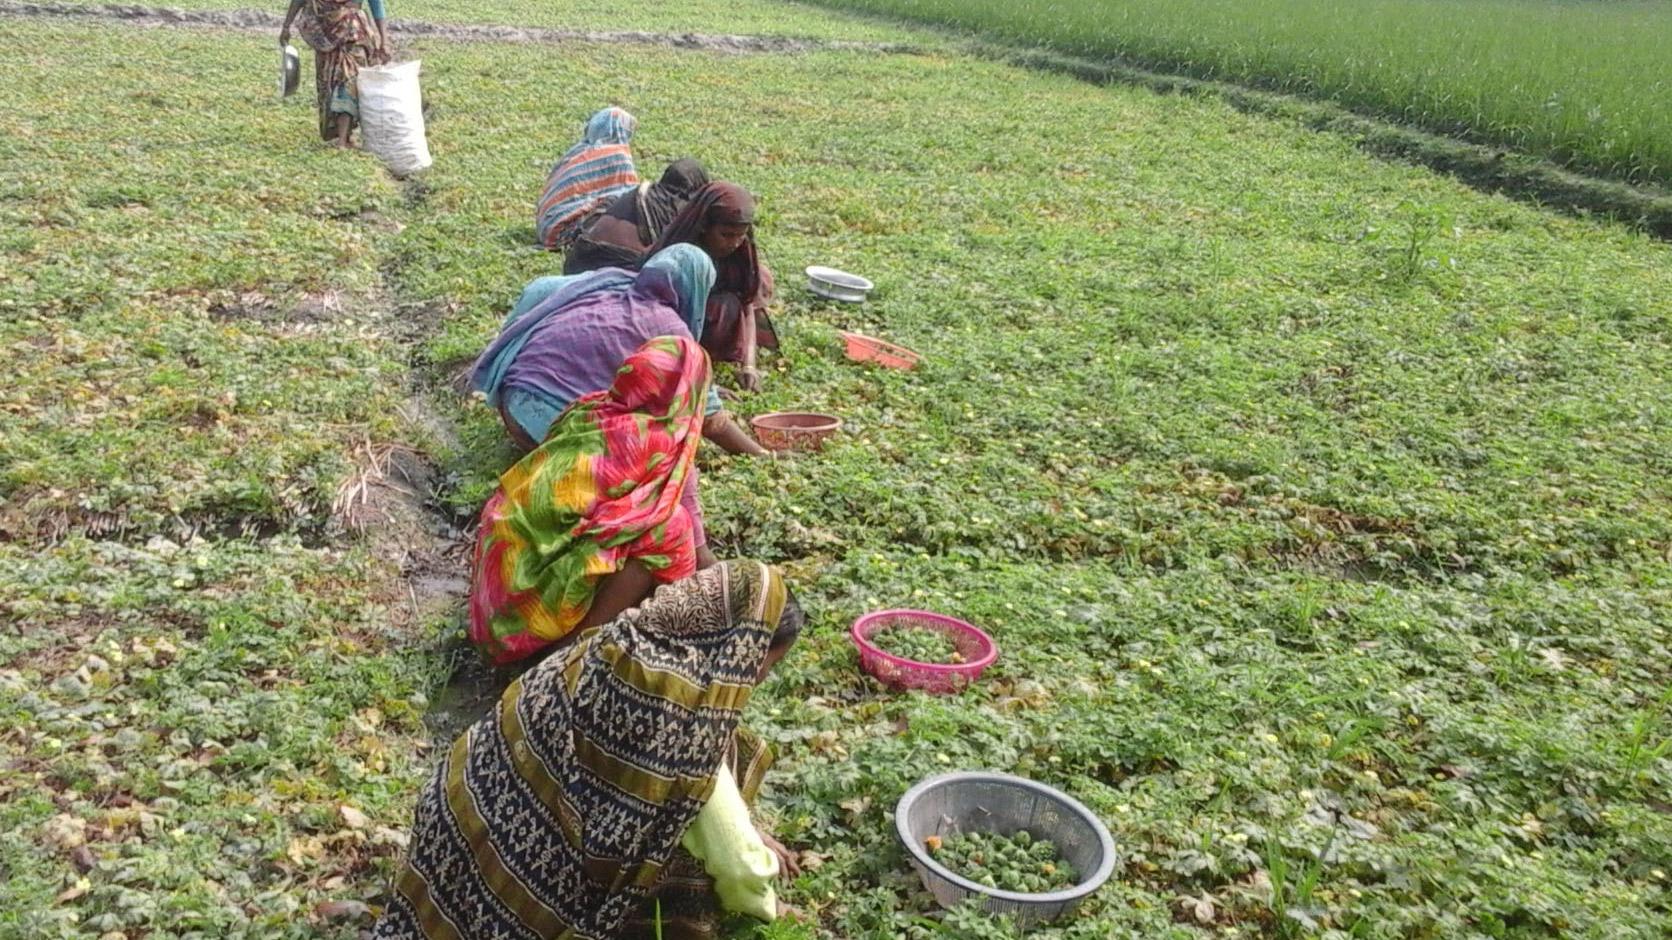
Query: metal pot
point(290, 70)
point(975, 801)
point(832, 284)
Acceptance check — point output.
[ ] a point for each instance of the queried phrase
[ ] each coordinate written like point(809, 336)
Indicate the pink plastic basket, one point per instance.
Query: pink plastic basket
point(977, 648)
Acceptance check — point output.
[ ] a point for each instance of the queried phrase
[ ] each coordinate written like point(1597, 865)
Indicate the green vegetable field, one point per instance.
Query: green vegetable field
point(1320, 506)
point(1583, 82)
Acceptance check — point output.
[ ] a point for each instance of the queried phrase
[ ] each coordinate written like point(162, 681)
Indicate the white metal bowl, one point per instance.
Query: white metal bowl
point(290, 70)
point(976, 801)
point(832, 284)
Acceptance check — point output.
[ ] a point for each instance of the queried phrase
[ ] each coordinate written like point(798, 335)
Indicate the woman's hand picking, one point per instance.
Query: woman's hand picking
point(788, 866)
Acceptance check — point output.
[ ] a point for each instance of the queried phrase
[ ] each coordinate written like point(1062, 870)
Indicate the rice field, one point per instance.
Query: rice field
point(1583, 83)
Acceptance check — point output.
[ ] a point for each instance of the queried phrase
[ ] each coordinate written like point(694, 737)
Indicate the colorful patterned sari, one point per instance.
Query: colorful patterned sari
point(559, 814)
point(684, 901)
point(602, 489)
point(344, 41)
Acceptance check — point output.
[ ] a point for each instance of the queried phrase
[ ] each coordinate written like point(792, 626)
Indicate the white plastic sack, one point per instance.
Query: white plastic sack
point(392, 117)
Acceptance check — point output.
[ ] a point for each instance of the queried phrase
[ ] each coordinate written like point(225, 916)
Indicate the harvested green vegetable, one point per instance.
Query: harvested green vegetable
point(1017, 862)
point(917, 644)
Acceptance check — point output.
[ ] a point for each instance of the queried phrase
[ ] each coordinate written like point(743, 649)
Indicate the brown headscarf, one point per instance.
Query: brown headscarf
point(720, 203)
point(618, 238)
point(658, 203)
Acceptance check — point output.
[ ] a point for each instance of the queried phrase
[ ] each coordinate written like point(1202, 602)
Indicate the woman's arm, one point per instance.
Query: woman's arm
point(788, 866)
point(289, 17)
point(748, 375)
point(616, 593)
point(721, 428)
point(375, 8)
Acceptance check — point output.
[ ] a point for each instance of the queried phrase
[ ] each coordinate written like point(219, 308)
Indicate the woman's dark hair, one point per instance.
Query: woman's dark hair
point(790, 621)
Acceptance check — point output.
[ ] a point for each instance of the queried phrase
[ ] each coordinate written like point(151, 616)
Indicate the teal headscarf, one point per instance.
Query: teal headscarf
point(607, 126)
point(681, 275)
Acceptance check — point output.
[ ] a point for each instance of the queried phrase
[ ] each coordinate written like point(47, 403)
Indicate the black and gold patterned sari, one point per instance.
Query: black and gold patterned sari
point(560, 814)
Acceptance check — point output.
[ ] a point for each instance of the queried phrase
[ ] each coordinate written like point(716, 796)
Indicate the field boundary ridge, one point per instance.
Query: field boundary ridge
point(267, 20)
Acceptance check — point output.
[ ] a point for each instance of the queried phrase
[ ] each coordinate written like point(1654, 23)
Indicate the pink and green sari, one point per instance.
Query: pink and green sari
point(602, 489)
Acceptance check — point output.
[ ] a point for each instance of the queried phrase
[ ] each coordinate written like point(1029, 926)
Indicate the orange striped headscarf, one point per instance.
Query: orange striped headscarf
point(590, 175)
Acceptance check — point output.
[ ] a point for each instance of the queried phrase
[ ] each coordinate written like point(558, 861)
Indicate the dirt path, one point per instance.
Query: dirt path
point(270, 21)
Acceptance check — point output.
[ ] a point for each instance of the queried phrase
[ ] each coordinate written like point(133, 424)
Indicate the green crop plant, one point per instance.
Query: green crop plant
point(917, 644)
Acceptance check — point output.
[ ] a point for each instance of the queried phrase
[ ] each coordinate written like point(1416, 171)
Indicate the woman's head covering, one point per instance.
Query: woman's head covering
point(657, 203)
point(602, 488)
point(732, 205)
point(681, 277)
point(684, 176)
point(609, 126)
point(558, 814)
point(678, 279)
point(720, 203)
point(734, 596)
point(590, 173)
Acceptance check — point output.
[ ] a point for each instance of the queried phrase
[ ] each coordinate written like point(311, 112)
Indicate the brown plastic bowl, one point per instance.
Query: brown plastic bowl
point(795, 430)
